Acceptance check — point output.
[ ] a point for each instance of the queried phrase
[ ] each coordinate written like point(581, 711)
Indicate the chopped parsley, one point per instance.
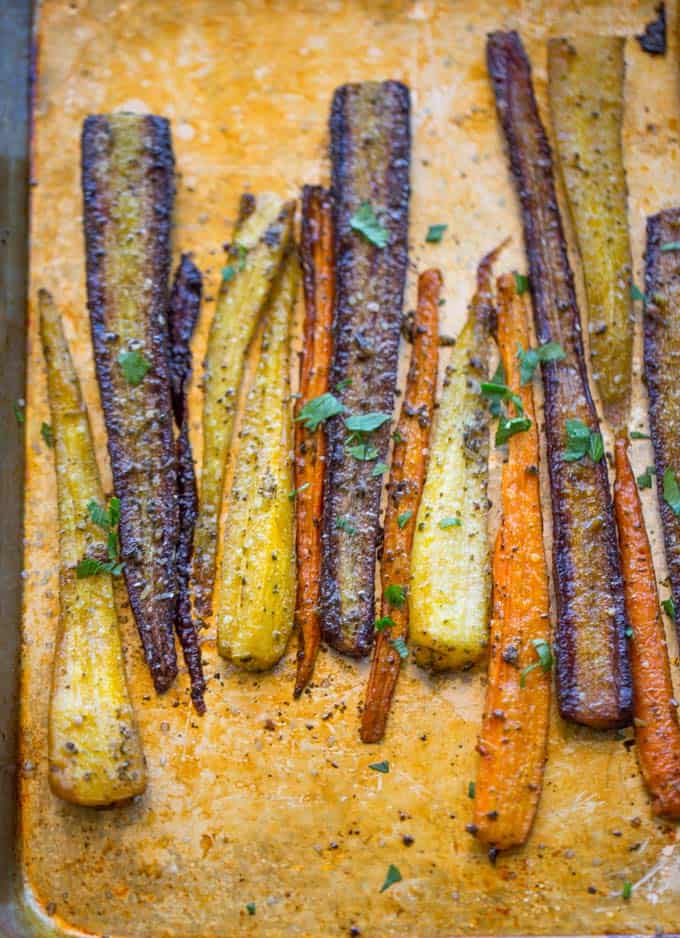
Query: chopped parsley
point(134, 366)
point(366, 423)
point(404, 518)
point(379, 469)
point(471, 789)
point(344, 524)
point(296, 492)
point(509, 426)
point(498, 392)
point(521, 282)
point(393, 876)
point(345, 383)
point(47, 434)
point(230, 271)
point(20, 411)
point(364, 452)
point(644, 480)
point(671, 246)
point(366, 223)
point(529, 359)
point(383, 622)
point(671, 491)
point(435, 233)
point(399, 646)
point(107, 519)
point(628, 632)
point(637, 294)
point(582, 441)
point(627, 890)
point(397, 437)
point(636, 435)
point(319, 409)
point(668, 606)
point(251, 907)
point(450, 523)
point(395, 595)
point(545, 660)
point(383, 766)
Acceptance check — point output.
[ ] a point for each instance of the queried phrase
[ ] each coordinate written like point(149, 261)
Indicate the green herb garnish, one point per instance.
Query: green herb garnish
point(395, 595)
point(47, 434)
point(20, 411)
point(364, 452)
point(251, 907)
point(107, 519)
point(671, 246)
point(528, 361)
point(521, 282)
point(435, 233)
point(134, 366)
point(471, 789)
point(668, 606)
point(644, 480)
point(671, 491)
point(582, 441)
point(383, 766)
point(637, 294)
point(296, 492)
point(319, 409)
point(450, 523)
point(366, 223)
point(344, 524)
point(379, 469)
point(393, 876)
point(404, 518)
point(636, 435)
point(627, 890)
point(384, 622)
point(509, 426)
point(545, 659)
point(345, 383)
point(366, 423)
point(400, 647)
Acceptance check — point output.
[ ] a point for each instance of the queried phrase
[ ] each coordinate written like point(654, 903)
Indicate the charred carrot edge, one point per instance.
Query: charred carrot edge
point(594, 685)
point(318, 270)
point(185, 305)
point(405, 487)
point(657, 732)
point(513, 737)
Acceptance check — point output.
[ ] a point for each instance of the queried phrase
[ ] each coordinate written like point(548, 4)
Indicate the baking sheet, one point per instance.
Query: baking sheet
point(291, 818)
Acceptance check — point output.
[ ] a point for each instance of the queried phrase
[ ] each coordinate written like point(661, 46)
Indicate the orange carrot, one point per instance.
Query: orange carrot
point(513, 738)
point(409, 464)
point(310, 448)
point(657, 732)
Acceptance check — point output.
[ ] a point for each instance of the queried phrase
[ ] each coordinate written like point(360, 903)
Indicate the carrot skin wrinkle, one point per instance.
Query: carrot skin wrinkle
point(593, 671)
point(407, 475)
point(185, 305)
point(318, 270)
point(513, 737)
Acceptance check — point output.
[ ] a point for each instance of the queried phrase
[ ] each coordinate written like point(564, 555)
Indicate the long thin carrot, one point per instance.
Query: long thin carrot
point(512, 742)
point(409, 464)
point(657, 732)
point(310, 447)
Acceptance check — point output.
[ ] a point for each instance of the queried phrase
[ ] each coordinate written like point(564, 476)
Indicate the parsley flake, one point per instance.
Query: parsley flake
point(344, 524)
point(404, 518)
point(627, 890)
point(395, 595)
point(509, 426)
point(47, 434)
point(379, 469)
point(383, 623)
point(319, 409)
point(545, 660)
point(107, 519)
point(528, 361)
point(366, 423)
point(637, 294)
point(671, 246)
point(671, 491)
point(450, 523)
point(644, 480)
point(521, 282)
point(668, 606)
point(20, 411)
point(435, 233)
point(383, 766)
point(393, 876)
point(582, 441)
point(296, 492)
point(471, 789)
point(399, 646)
point(345, 383)
point(636, 435)
point(134, 366)
point(251, 907)
point(364, 452)
point(366, 223)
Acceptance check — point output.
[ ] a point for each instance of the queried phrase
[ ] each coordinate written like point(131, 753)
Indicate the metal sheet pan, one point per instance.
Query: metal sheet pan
point(292, 818)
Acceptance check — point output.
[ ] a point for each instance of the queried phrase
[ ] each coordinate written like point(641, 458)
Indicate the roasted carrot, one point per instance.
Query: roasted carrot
point(409, 464)
point(657, 732)
point(512, 742)
point(310, 447)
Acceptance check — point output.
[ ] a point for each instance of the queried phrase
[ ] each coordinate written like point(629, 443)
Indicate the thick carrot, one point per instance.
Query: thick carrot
point(657, 732)
point(409, 464)
point(512, 742)
point(310, 448)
